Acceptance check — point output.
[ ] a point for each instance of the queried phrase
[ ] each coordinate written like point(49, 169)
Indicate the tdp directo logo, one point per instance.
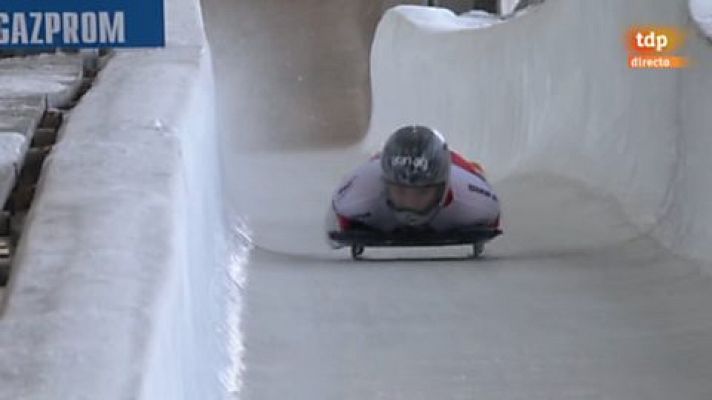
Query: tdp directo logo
point(655, 47)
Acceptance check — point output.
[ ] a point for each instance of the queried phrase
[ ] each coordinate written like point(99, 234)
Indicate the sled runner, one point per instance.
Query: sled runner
point(359, 239)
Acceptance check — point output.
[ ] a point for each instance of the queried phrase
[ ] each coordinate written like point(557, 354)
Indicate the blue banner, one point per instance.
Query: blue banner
point(81, 23)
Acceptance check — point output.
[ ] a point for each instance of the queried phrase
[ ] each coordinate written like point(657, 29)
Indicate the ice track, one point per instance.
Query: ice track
point(573, 302)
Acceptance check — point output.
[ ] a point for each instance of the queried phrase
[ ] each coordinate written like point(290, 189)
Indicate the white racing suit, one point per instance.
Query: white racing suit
point(361, 200)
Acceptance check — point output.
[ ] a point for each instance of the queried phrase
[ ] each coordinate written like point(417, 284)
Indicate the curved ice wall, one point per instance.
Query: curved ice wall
point(560, 100)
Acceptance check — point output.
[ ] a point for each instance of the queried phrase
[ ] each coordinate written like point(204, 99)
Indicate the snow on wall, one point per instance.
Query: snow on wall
point(562, 101)
point(701, 11)
point(118, 289)
point(53, 76)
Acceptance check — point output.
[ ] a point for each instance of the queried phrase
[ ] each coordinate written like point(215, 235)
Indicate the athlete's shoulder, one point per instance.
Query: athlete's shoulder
point(467, 186)
point(460, 162)
point(359, 190)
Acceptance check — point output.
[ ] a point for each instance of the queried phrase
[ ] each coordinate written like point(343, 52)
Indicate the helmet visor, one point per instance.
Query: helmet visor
point(417, 199)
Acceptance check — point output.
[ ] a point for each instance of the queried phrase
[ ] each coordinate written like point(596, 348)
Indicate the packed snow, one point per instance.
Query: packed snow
point(56, 76)
point(26, 84)
point(701, 11)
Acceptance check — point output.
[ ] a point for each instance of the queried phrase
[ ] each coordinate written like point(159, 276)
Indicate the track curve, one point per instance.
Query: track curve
point(573, 302)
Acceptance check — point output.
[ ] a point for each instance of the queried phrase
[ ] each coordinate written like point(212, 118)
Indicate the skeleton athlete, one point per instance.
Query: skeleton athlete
point(416, 183)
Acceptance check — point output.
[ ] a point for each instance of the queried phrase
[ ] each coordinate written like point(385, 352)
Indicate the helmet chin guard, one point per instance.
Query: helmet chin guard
point(413, 219)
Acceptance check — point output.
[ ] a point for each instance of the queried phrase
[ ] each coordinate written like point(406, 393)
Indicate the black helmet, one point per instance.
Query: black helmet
point(416, 157)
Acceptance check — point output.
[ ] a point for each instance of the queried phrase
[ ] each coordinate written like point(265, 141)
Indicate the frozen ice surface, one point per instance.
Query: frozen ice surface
point(579, 299)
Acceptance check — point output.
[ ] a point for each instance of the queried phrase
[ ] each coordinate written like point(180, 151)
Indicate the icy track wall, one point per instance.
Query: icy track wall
point(116, 291)
point(689, 224)
point(562, 102)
